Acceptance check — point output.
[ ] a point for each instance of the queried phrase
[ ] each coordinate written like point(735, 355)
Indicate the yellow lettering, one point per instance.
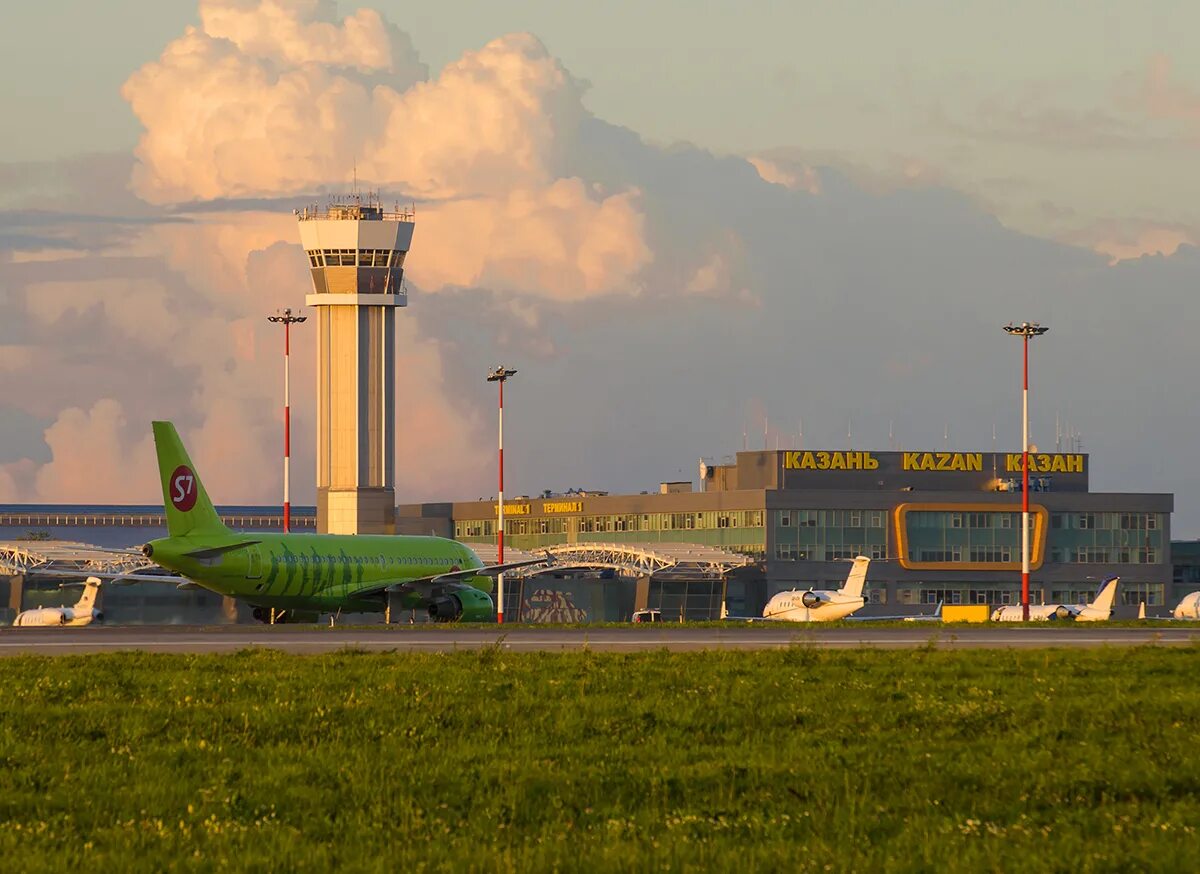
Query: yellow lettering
point(562, 506)
point(838, 461)
point(807, 463)
point(1013, 462)
point(791, 460)
point(975, 461)
point(822, 461)
point(910, 461)
point(512, 509)
point(1074, 464)
point(872, 463)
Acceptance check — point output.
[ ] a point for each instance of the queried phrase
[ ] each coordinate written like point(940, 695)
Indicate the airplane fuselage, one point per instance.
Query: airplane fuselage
point(319, 572)
point(791, 607)
point(56, 616)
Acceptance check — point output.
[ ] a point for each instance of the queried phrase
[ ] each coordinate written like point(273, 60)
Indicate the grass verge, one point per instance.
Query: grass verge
point(789, 760)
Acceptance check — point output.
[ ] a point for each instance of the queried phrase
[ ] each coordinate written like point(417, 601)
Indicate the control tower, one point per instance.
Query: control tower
point(356, 251)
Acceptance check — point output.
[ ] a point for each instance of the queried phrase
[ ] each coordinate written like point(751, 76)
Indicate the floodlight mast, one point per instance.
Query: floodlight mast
point(500, 376)
point(287, 319)
point(1025, 330)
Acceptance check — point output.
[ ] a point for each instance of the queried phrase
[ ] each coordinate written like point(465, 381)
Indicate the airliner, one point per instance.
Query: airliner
point(815, 605)
point(291, 577)
point(1099, 610)
point(85, 611)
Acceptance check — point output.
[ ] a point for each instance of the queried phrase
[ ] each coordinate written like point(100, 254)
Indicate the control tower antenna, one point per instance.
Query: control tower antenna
point(356, 253)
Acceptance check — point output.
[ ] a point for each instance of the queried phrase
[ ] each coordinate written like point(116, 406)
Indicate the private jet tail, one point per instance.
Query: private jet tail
point(1106, 595)
point(87, 601)
point(189, 511)
point(856, 579)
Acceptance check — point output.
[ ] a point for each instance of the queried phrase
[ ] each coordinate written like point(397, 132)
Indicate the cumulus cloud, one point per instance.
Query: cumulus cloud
point(257, 101)
point(306, 32)
point(1160, 95)
point(559, 242)
point(114, 465)
point(801, 178)
point(1127, 240)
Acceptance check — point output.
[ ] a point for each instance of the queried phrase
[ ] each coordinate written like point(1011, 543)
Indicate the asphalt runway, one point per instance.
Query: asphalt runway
point(307, 640)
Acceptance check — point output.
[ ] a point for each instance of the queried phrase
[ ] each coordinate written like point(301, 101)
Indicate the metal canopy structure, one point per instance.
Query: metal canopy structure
point(60, 556)
point(690, 560)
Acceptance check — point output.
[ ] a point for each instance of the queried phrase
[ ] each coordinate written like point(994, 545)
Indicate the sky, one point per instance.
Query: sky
point(682, 222)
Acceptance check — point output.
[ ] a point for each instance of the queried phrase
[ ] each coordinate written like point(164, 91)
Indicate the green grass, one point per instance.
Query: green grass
point(789, 760)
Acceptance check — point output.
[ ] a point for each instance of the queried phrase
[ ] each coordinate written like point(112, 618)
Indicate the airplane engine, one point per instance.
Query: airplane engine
point(1061, 613)
point(462, 605)
point(447, 608)
point(811, 600)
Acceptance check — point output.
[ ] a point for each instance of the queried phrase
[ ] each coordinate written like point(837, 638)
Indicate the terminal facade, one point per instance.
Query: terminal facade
point(942, 526)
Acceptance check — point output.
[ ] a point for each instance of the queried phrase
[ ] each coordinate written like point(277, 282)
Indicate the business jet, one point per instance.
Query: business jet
point(1099, 610)
point(84, 612)
point(815, 605)
point(1189, 607)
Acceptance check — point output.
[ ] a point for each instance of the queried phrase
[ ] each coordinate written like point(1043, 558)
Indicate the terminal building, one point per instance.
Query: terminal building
point(942, 526)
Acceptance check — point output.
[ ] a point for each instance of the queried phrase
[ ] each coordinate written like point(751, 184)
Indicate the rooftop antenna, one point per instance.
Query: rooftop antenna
point(766, 425)
point(946, 437)
point(800, 424)
point(1057, 433)
point(355, 165)
point(849, 444)
point(891, 435)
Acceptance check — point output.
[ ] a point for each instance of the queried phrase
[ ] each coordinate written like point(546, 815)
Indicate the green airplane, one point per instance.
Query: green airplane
point(299, 576)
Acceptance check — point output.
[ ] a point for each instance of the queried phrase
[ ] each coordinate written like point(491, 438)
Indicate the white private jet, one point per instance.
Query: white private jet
point(84, 612)
point(1188, 608)
point(815, 605)
point(1099, 610)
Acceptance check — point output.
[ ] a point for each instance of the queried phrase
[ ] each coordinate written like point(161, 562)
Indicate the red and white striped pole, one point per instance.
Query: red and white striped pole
point(287, 319)
point(500, 375)
point(1025, 330)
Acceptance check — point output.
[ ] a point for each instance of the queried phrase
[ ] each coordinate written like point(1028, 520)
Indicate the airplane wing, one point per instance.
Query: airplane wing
point(213, 554)
point(115, 577)
point(449, 580)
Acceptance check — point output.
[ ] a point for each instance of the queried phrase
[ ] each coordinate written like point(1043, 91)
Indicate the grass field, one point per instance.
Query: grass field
point(792, 760)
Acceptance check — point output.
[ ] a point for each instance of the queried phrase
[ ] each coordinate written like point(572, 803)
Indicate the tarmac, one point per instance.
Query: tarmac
point(309, 640)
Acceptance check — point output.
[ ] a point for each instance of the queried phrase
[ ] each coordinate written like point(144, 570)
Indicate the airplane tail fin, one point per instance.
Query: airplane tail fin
point(1106, 594)
point(189, 511)
point(91, 589)
point(857, 578)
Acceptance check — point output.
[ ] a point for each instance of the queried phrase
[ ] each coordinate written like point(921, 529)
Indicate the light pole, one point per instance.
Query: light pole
point(286, 318)
point(1025, 330)
point(500, 375)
